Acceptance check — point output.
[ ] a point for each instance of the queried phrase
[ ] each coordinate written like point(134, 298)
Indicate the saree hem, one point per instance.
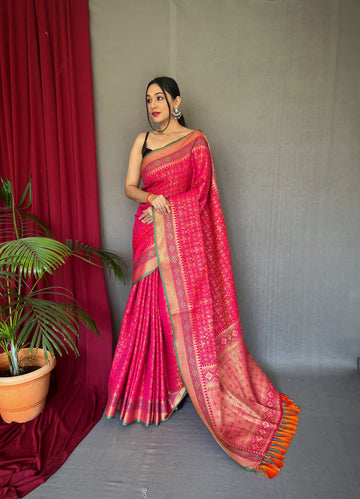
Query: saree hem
point(152, 423)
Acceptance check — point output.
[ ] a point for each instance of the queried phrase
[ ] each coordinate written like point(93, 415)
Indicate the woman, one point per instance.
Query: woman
point(181, 330)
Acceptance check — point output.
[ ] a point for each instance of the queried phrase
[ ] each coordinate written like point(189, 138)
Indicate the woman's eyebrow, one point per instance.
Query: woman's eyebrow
point(157, 93)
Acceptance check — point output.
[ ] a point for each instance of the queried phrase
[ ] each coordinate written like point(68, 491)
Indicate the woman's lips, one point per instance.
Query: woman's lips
point(155, 114)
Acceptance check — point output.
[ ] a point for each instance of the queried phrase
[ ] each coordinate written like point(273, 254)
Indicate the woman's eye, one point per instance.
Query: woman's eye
point(160, 98)
point(148, 101)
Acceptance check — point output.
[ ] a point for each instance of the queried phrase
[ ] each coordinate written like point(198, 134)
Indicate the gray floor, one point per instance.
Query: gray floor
point(180, 460)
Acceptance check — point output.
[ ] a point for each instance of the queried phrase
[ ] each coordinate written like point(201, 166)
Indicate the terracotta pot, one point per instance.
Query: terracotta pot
point(23, 397)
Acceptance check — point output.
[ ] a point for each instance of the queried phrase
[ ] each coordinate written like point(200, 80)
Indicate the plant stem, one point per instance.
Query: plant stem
point(14, 365)
point(13, 214)
point(17, 237)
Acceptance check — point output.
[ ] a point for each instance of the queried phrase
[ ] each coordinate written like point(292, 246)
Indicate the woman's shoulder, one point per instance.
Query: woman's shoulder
point(139, 140)
point(141, 137)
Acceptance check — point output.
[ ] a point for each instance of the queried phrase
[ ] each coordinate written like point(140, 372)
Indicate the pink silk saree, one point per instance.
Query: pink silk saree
point(181, 329)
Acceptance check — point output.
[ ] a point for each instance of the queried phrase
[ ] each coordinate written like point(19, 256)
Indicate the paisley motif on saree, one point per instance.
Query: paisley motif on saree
point(247, 416)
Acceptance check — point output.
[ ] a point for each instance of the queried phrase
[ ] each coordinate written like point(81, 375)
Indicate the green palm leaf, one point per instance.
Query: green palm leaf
point(6, 276)
point(53, 323)
point(99, 257)
point(6, 192)
point(34, 255)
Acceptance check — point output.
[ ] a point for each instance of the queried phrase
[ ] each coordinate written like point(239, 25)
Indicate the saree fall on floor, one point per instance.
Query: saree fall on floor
point(184, 290)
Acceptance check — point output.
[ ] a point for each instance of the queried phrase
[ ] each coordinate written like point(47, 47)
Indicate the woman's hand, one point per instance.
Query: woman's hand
point(160, 203)
point(146, 216)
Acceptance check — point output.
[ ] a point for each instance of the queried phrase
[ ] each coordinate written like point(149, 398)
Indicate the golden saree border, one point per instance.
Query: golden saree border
point(172, 295)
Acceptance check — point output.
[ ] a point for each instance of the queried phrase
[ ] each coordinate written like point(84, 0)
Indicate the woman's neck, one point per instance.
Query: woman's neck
point(173, 128)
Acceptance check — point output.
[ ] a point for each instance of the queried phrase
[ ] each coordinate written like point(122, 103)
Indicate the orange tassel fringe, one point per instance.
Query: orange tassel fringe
point(273, 461)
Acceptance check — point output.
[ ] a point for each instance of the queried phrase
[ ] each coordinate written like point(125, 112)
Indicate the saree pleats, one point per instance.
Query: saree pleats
point(145, 383)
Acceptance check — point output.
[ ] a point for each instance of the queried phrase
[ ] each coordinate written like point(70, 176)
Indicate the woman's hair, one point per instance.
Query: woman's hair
point(170, 86)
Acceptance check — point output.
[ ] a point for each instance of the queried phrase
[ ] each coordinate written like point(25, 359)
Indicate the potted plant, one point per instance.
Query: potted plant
point(37, 320)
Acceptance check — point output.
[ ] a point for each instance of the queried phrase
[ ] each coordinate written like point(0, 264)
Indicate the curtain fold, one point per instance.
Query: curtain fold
point(47, 132)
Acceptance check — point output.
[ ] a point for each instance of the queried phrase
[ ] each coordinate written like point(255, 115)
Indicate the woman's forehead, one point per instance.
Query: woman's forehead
point(154, 89)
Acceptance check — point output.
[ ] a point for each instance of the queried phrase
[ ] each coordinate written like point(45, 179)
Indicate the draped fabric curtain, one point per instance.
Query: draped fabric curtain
point(47, 132)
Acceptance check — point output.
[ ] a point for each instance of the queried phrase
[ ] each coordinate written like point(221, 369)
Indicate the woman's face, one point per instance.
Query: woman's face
point(157, 105)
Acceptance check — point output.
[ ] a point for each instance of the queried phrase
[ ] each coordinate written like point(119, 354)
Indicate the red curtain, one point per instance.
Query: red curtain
point(47, 131)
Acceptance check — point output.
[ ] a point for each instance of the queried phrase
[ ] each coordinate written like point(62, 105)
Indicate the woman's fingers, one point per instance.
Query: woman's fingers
point(146, 216)
point(161, 204)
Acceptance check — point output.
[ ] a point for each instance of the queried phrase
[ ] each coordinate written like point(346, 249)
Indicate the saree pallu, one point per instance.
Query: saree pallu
point(197, 306)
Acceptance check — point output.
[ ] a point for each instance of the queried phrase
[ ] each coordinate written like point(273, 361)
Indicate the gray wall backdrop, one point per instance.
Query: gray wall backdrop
point(275, 86)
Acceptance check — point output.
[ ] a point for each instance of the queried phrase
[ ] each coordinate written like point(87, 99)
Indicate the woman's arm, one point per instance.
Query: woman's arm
point(132, 182)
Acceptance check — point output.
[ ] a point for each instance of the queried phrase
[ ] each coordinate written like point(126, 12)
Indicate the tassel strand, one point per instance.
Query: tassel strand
point(273, 460)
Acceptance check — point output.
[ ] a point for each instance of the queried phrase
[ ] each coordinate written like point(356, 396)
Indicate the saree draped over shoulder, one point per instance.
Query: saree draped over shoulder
point(181, 330)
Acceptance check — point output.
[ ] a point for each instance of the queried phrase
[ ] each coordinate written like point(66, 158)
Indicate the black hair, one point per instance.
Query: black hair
point(170, 86)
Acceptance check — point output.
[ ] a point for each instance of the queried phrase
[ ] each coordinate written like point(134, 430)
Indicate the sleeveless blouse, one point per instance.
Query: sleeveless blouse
point(145, 149)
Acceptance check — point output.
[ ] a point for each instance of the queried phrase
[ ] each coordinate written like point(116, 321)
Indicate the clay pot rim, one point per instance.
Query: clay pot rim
point(25, 378)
